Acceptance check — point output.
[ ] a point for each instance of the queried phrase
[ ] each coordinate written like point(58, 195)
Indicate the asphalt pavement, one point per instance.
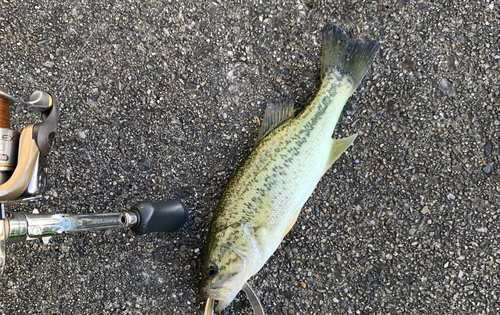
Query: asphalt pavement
point(162, 99)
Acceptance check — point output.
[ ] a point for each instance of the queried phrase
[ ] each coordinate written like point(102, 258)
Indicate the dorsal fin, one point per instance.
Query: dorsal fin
point(277, 111)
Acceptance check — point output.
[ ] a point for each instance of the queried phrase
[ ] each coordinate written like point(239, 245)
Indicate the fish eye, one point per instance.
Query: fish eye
point(211, 269)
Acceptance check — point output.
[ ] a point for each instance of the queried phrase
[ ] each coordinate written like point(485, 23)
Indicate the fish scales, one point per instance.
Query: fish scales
point(265, 195)
point(284, 158)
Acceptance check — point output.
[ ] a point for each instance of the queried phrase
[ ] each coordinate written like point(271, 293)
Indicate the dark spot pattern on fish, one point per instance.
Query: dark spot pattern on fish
point(277, 157)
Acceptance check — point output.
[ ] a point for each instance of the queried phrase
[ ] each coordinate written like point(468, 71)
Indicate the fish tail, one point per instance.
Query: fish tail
point(341, 55)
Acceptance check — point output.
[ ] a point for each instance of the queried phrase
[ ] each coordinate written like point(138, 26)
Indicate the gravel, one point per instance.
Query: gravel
point(162, 100)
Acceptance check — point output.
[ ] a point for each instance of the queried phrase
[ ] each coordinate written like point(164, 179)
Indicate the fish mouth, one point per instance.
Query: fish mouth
point(218, 294)
point(222, 295)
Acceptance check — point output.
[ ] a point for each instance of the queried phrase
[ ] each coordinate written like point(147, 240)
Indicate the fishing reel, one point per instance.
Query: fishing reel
point(22, 179)
point(20, 152)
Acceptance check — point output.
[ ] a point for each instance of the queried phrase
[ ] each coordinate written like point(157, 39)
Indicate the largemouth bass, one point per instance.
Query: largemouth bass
point(264, 197)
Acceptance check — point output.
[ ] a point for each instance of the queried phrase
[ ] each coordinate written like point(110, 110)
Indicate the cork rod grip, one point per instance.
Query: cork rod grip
point(4, 112)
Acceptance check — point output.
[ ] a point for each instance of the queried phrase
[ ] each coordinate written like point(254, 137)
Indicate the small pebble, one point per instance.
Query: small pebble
point(48, 64)
point(487, 169)
point(488, 147)
point(425, 210)
point(144, 164)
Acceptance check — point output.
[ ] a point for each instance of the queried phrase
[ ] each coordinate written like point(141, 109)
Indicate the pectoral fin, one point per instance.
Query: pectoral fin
point(337, 148)
point(276, 113)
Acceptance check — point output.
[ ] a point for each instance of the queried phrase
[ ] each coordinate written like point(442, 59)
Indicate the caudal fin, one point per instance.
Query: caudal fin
point(342, 55)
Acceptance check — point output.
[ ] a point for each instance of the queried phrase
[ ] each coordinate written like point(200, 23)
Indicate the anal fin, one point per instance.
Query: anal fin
point(338, 147)
point(276, 113)
point(291, 223)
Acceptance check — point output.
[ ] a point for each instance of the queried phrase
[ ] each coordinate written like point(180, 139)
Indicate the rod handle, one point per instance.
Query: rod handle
point(4, 111)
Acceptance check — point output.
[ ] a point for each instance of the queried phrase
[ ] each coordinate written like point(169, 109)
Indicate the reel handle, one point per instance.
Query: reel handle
point(162, 216)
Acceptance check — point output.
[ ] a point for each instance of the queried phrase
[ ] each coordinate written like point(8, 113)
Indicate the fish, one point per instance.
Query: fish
point(266, 193)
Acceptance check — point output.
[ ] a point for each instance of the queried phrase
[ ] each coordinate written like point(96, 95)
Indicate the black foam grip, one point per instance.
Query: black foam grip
point(163, 216)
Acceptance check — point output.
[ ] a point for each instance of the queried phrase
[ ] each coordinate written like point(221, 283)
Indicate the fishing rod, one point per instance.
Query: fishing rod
point(22, 178)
